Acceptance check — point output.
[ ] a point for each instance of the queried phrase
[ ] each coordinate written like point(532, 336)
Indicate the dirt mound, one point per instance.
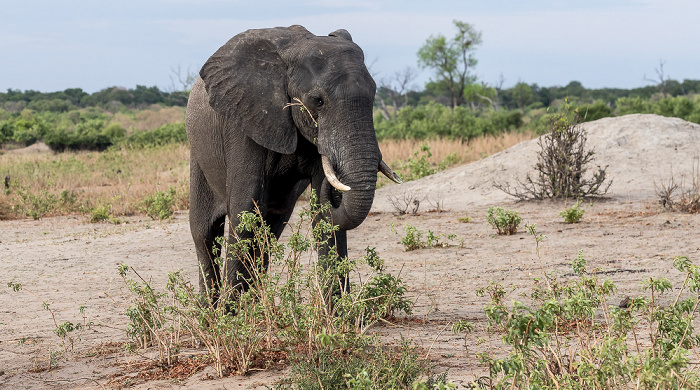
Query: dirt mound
point(639, 149)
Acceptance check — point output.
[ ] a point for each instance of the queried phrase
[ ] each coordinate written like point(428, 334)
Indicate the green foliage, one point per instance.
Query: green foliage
point(504, 221)
point(160, 204)
point(166, 134)
point(38, 205)
point(359, 365)
point(84, 129)
point(572, 338)
point(63, 330)
point(101, 213)
point(434, 120)
point(419, 165)
point(591, 112)
point(87, 135)
point(413, 239)
point(452, 60)
point(288, 306)
point(573, 214)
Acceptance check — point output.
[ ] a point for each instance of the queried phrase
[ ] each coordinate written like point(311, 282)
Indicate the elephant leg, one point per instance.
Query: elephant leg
point(206, 223)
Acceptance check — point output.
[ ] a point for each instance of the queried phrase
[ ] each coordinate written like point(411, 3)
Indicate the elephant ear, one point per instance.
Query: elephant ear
point(342, 33)
point(246, 82)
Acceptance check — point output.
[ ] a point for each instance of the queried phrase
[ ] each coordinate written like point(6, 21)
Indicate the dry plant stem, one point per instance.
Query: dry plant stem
point(299, 103)
point(427, 353)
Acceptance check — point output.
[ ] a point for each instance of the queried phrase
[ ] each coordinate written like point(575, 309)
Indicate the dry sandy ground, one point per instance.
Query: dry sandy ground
point(69, 262)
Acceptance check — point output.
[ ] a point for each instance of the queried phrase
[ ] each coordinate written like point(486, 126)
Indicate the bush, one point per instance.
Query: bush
point(87, 135)
point(562, 163)
point(572, 337)
point(437, 121)
point(287, 308)
point(573, 214)
point(595, 111)
point(166, 134)
point(504, 221)
point(43, 203)
point(159, 205)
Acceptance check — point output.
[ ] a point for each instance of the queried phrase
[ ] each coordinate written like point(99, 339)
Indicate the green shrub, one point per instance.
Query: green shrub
point(38, 205)
point(87, 135)
point(573, 214)
point(101, 213)
point(159, 205)
point(166, 134)
point(504, 221)
point(418, 167)
point(595, 111)
point(286, 307)
point(359, 365)
point(572, 337)
point(413, 239)
point(435, 120)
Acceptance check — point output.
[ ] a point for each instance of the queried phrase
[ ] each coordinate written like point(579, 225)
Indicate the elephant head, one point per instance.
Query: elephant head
point(281, 83)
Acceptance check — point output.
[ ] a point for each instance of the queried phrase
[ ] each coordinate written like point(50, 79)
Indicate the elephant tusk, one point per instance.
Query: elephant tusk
point(388, 172)
point(330, 174)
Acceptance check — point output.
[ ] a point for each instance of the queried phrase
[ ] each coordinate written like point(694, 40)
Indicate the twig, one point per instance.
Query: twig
point(303, 108)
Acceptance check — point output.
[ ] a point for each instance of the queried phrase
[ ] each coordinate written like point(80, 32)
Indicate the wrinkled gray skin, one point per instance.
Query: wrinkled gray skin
point(247, 149)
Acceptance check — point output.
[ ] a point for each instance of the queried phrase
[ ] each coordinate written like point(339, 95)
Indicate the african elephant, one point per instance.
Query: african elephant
point(249, 147)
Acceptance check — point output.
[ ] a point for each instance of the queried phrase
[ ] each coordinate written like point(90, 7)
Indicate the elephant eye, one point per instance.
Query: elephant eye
point(318, 101)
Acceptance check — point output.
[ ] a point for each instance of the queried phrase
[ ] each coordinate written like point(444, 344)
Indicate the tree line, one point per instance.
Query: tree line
point(112, 99)
point(453, 104)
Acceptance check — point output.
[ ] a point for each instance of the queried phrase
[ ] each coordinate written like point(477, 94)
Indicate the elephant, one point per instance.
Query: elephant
point(274, 111)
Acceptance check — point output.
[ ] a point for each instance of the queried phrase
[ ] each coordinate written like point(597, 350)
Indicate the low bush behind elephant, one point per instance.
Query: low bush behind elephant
point(253, 144)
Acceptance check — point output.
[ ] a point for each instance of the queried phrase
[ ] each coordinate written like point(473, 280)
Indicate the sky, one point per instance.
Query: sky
point(52, 45)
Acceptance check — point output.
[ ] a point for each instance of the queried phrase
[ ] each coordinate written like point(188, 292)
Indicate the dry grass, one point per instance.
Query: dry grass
point(149, 119)
point(121, 178)
point(395, 152)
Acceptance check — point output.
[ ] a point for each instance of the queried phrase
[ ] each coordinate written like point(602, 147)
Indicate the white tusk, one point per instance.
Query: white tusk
point(330, 174)
point(383, 168)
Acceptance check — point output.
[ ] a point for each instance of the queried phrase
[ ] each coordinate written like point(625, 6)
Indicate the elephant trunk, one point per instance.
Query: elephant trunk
point(354, 158)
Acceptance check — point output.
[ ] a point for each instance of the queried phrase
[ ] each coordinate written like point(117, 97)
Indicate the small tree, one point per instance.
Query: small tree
point(452, 60)
point(562, 163)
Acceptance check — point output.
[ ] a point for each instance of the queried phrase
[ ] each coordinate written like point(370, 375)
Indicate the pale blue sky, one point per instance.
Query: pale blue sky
point(53, 45)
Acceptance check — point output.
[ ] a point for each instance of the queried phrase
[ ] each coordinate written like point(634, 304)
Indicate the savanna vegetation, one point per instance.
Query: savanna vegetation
point(123, 151)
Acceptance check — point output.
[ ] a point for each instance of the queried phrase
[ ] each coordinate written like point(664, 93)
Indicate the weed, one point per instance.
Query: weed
point(63, 330)
point(287, 308)
point(363, 364)
point(573, 214)
point(406, 203)
point(465, 219)
point(101, 213)
point(413, 239)
point(504, 221)
point(418, 167)
point(573, 338)
point(676, 196)
point(160, 204)
point(38, 205)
